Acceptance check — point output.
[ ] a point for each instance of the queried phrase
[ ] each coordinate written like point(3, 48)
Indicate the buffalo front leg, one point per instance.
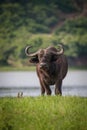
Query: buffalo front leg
point(47, 89)
point(58, 88)
point(42, 88)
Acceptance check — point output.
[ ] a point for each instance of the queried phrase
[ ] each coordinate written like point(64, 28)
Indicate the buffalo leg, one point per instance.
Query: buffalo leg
point(42, 90)
point(58, 88)
point(47, 89)
point(42, 87)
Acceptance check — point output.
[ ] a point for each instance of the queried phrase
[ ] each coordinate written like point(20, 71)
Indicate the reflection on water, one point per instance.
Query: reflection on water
point(11, 83)
point(14, 92)
point(74, 91)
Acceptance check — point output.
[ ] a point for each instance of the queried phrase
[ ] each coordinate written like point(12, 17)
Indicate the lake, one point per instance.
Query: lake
point(75, 84)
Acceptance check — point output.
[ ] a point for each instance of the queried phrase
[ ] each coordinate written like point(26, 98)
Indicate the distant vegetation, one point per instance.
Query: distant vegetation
point(74, 34)
point(41, 23)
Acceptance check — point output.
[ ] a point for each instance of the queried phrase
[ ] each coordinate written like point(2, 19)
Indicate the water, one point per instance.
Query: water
point(11, 83)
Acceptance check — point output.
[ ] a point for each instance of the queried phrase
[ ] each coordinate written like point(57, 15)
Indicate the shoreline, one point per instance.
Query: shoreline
point(33, 68)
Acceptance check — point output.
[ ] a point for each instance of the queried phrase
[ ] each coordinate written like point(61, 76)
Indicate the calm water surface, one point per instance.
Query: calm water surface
point(11, 83)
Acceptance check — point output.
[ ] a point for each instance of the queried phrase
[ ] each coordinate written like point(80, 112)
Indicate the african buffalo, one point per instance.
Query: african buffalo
point(51, 67)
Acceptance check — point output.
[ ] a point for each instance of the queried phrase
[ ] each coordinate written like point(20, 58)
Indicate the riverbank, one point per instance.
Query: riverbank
point(22, 68)
point(33, 68)
point(43, 113)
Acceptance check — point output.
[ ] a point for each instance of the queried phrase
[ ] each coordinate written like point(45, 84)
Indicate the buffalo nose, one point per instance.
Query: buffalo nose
point(43, 65)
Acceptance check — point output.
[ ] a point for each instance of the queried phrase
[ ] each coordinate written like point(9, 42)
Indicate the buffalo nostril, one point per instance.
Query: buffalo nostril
point(43, 65)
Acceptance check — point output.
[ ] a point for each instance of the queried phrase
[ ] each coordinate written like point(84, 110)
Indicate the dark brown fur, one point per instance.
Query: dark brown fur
point(51, 69)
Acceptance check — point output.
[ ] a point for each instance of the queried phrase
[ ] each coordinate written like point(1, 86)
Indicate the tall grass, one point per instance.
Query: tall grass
point(43, 113)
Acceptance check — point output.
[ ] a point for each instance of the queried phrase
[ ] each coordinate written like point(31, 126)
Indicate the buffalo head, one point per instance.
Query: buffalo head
point(44, 56)
point(51, 66)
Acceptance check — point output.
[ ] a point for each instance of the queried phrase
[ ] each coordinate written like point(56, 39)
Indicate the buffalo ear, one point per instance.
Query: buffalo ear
point(34, 59)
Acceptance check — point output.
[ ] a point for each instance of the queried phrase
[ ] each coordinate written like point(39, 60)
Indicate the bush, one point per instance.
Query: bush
point(75, 26)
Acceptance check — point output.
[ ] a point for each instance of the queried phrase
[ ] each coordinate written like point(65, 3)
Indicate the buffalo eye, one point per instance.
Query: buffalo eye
point(53, 58)
point(34, 60)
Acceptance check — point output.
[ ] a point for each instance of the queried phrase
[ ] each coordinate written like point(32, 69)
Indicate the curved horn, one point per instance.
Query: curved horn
point(60, 50)
point(27, 52)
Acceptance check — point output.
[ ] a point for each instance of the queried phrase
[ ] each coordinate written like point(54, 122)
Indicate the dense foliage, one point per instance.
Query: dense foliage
point(35, 22)
point(75, 34)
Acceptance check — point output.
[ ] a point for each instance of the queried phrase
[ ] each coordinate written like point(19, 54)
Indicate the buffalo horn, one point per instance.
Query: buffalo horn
point(27, 52)
point(61, 50)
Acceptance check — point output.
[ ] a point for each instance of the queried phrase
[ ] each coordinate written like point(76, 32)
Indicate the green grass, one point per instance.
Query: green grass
point(43, 113)
point(33, 68)
point(9, 68)
point(78, 68)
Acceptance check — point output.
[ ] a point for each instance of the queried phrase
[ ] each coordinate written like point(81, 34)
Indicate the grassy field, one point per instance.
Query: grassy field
point(43, 113)
point(9, 68)
point(33, 68)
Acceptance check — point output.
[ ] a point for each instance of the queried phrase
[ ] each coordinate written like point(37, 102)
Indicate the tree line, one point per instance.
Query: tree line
point(31, 23)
